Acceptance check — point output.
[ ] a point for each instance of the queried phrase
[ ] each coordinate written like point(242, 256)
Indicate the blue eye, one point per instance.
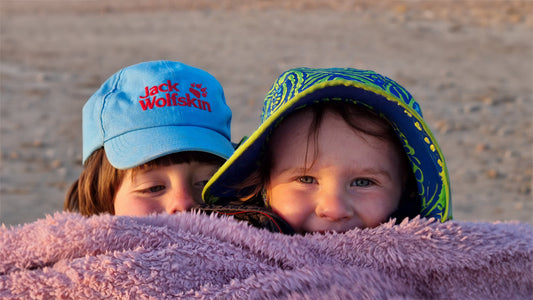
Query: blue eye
point(362, 182)
point(306, 179)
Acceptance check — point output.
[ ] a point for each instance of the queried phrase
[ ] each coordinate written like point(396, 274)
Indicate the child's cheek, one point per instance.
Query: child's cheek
point(293, 207)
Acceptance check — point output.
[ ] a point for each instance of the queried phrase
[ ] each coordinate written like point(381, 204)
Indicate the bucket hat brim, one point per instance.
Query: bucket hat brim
point(142, 146)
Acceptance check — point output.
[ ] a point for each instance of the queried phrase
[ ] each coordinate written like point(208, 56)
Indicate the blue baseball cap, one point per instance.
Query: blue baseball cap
point(155, 108)
point(298, 88)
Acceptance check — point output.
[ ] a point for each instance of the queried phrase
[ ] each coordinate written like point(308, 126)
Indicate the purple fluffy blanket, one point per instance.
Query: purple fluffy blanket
point(190, 255)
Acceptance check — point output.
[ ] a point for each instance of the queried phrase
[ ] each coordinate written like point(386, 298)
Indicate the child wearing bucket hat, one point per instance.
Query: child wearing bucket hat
point(338, 149)
point(153, 134)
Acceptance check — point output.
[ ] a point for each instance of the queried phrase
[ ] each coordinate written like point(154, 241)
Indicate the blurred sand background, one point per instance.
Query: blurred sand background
point(469, 64)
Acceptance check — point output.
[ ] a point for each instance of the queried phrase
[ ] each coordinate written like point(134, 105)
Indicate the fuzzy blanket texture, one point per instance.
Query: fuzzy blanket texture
point(191, 255)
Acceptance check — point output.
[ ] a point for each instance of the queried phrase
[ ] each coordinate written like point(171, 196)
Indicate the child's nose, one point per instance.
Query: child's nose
point(334, 205)
point(180, 200)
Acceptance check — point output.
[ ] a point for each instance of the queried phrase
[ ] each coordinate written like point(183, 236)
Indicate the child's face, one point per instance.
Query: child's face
point(355, 180)
point(159, 189)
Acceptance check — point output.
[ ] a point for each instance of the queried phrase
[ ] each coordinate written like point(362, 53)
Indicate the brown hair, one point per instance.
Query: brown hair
point(355, 116)
point(94, 191)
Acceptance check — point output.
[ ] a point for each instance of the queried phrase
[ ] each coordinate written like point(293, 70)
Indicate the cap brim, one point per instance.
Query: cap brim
point(419, 143)
point(138, 147)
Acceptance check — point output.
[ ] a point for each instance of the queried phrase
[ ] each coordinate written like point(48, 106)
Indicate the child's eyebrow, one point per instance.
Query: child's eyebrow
point(142, 171)
point(376, 172)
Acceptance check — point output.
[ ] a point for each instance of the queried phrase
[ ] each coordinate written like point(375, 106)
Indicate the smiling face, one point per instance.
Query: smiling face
point(162, 188)
point(354, 179)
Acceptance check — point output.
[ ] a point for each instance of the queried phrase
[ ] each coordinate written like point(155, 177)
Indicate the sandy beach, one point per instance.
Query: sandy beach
point(468, 63)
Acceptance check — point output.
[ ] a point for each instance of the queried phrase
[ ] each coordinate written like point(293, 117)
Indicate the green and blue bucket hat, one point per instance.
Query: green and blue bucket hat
point(301, 87)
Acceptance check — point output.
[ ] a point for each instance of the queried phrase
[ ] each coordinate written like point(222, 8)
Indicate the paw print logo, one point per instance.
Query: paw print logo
point(197, 90)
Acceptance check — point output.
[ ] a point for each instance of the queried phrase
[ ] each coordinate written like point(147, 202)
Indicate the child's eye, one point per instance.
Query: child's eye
point(306, 179)
point(362, 182)
point(200, 184)
point(154, 189)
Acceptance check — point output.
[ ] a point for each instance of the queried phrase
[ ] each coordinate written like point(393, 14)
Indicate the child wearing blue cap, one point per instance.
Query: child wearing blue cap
point(338, 149)
point(153, 134)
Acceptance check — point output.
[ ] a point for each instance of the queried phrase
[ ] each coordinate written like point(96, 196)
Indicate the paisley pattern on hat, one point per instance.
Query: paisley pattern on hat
point(295, 81)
